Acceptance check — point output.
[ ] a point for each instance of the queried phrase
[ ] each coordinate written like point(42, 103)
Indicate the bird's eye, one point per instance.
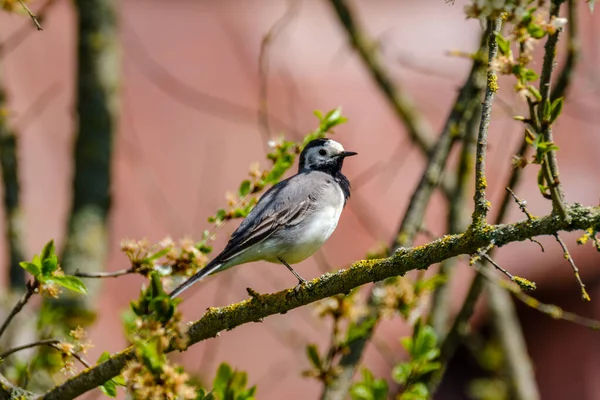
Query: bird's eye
point(323, 152)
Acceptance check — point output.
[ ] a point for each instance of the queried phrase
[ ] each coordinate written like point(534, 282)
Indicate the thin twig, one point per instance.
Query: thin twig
point(584, 294)
point(31, 15)
point(112, 274)
point(44, 342)
point(31, 288)
point(496, 265)
point(548, 309)
point(17, 37)
point(481, 204)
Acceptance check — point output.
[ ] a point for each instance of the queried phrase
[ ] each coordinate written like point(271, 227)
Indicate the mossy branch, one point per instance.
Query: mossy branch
point(216, 320)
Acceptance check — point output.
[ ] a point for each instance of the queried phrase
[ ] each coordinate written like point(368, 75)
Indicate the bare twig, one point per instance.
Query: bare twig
point(44, 342)
point(496, 265)
point(112, 274)
point(17, 37)
point(523, 206)
point(481, 204)
point(584, 294)
point(31, 288)
point(31, 15)
point(548, 309)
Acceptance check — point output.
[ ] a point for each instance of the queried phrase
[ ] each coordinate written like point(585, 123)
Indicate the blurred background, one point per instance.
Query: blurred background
point(188, 86)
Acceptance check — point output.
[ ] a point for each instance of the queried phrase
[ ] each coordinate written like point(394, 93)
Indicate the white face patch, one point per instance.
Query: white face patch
point(337, 147)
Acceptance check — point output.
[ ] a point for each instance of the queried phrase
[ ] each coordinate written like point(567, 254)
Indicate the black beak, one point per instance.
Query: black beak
point(345, 154)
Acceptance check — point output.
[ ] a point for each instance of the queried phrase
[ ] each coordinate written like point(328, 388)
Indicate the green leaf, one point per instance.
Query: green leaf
point(401, 373)
point(361, 330)
point(150, 356)
point(49, 265)
point(536, 31)
point(31, 268)
point(313, 355)
point(109, 388)
point(103, 357)
point(541, 181)
point(546, 111)
point(556, 109)
point(428, 367)
point(157, 255)
point(119, 380)
point(244, 188)
point(591, 4)
point(222, 378)
point(361, 392)
point(535, 93)
point(529, 75)
point(503, 44)
point(70, 282)
point(318, 114)
point(48, 250)
point(418, 391)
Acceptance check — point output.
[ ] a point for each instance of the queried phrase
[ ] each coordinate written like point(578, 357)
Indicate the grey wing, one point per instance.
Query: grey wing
point(285, 204)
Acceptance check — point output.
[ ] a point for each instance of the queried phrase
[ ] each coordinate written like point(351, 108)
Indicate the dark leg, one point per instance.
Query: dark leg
point(301, 280)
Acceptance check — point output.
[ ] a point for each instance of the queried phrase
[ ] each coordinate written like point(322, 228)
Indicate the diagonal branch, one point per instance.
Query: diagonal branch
point(404, 260)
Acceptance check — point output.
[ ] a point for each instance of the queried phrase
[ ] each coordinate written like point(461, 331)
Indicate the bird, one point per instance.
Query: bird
point(292, 219)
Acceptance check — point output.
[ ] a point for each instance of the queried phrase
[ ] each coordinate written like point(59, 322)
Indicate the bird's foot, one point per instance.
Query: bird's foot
point(301, 282)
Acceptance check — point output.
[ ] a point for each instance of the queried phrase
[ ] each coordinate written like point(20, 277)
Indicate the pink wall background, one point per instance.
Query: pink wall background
point(177, 154)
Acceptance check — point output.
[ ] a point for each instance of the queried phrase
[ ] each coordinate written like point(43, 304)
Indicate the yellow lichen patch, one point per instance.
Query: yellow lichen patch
point(493, 82)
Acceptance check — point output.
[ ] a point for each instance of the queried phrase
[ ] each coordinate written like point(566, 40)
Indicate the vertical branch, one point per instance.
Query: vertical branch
point(12, 207)
point(457, 221)
point(481, 204)
point(550, 164)
point(98, 76)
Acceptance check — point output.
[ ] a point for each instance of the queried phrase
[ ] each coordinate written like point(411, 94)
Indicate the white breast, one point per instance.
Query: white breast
point(317, 228)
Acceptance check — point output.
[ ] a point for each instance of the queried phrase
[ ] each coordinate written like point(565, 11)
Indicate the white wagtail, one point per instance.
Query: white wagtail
point(293, 218)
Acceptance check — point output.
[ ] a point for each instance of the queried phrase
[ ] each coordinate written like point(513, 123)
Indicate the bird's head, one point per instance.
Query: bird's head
point(323, 155)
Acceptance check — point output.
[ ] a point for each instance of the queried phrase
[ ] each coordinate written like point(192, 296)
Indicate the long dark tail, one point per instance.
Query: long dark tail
point(209, 269)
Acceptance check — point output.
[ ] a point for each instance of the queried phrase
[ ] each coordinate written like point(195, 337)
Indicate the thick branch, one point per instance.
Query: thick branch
point(11, 189)
point(98, 77)
point(259, 307)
